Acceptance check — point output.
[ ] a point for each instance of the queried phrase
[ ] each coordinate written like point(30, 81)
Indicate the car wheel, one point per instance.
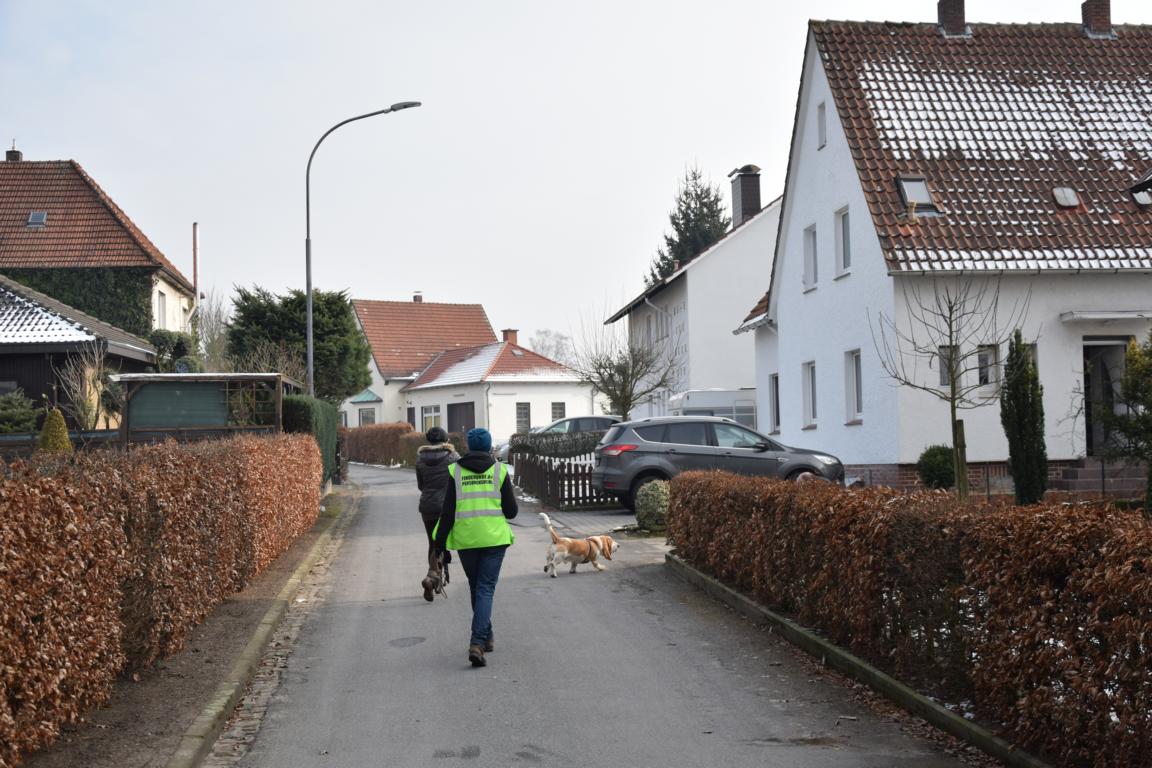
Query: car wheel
point(795, 474)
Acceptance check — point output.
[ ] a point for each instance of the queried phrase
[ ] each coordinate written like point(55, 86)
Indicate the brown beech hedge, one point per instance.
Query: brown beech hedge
point(390, 444)
point(1036, 618)
point(108, 560)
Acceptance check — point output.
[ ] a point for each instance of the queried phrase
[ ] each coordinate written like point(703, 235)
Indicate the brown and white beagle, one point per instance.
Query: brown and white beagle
point(577, 551)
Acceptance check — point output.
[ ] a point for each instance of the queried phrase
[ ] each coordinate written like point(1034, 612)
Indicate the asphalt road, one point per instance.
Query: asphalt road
point(627, 667)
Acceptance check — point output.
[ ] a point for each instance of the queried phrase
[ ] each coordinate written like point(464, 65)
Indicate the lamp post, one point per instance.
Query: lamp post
point(308, 226)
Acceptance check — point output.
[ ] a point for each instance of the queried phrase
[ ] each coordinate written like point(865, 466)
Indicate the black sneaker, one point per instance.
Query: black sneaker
point(476, 656)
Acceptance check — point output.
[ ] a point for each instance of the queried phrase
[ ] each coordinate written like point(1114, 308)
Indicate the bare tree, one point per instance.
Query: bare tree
point(625, 371)
point(554, 346)
point(212, 329)
point(947, 346)
point(265, 356)
point(90, 393)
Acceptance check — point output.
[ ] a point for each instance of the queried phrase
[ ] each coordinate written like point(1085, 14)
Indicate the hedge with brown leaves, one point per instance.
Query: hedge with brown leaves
point(107, 562)
point(1039, 617)
point(376, 443)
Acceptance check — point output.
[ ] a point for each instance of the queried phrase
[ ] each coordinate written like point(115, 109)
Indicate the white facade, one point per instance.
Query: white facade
point(692, 316)
point(819, 318)
point(391, 409)
point(171, 306)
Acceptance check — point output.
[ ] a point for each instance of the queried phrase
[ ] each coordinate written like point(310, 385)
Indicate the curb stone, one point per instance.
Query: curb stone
point(197, 741)
point(836, 657)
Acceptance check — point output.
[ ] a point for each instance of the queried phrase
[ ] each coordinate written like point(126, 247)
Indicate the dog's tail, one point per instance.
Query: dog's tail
point(551, 530)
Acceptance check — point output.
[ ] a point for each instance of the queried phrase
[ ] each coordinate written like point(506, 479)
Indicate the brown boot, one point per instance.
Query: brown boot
point(476, 656)
point(488, 646)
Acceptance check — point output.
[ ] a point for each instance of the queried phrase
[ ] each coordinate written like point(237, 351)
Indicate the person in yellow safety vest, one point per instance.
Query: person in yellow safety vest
point(478, 503)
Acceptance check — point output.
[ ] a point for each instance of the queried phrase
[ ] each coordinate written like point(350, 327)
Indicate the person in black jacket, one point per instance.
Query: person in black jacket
point(432, 479)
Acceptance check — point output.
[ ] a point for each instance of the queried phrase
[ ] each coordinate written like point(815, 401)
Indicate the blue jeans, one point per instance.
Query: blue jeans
point(482, 567)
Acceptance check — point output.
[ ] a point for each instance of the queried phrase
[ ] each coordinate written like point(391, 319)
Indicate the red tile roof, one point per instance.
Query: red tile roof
point(406, 335)
point(84, 228)
point(995, 122)
point(501, 360)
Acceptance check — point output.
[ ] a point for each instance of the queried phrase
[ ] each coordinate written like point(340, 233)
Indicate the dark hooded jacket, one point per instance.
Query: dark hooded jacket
point(432, 477)
point(475, 461)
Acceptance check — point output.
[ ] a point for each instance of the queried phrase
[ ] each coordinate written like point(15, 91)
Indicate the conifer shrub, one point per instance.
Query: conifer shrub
point(1022, 416)
point(17, 414)
point(54, 435)
point(935, 467)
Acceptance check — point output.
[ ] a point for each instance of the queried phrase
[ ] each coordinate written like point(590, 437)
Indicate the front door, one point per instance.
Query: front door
point(1103, 368)
point(461, 417)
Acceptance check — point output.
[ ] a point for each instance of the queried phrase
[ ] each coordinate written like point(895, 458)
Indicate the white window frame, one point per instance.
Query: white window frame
point(560, 408)
point(527, 419)
point(843, 227)
point(774, 403)
point(811, 258)
point(853, 387)
point(361, 413)
point(988, 365)
point(429, 417)
point(808, 385)
point(161, 310)
point(821, 125)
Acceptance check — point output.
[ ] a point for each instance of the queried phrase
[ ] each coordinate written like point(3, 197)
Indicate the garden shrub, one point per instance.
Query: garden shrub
point(54, 435)
point(18, 414)
point(559, 446)
point(1037, 616)
point(319, 418)
point(111, 559)
point(936, 468)
point(652, 505)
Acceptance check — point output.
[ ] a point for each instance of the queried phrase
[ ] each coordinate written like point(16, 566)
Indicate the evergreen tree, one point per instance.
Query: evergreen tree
point(17, 413)
point(698, 221)
point(54, 434)
point(1022, 416)
point(262, 319)
point(1134, 427)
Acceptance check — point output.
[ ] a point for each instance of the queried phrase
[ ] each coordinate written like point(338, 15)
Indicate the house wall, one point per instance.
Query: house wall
point(668, 322)
point(391, 409)
point(823, 323)
point(721, 285)
point(495, 402)
point(177, 306)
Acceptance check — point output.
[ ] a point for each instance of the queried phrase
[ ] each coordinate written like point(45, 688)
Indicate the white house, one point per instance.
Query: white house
point(501, 386)
point(689, 313)
point(404, 337)
point(933, 155)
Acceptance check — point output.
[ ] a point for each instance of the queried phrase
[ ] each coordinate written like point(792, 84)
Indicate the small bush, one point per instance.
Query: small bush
point(54, 436)
point(652, 505)
point(319, 418)
point(17, 414)
point(935, 467)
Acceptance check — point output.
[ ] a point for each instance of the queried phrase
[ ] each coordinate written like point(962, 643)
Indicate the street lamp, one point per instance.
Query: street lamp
point(308, 225)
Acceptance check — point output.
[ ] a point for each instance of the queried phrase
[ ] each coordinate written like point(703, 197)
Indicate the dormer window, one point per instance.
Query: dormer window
point(1066, 197)
point(916, 195)
point(37, 219)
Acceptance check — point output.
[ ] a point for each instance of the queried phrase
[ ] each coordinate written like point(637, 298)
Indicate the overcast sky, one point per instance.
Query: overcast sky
point(536, 179)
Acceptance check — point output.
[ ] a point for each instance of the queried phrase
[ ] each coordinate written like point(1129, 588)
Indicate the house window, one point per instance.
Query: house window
point(821, 125)
point(947, 359)
point(429, 417)
point(774, 403)
point(523, 417)
point(37, 219)
point(843, 242)
point(557, 411)
point(988, 365)
point(853, 386)
point(161, 310)
point(810, 262)
point(367, 416)
point(916, 195)
point(808, 377)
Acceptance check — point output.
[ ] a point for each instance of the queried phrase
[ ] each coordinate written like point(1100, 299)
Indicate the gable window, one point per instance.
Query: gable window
point(811, 264)
point(988, 365)
point(843, 242)
point(37, 219)
point(161, 310)
point(367, 416)
point(915, 194)
point(947, 359)
point(774, 403)
point(853, 387)
point(808, 379)
point(523, 417)
point(557, 411)
point(429, 417)
point(821, 125)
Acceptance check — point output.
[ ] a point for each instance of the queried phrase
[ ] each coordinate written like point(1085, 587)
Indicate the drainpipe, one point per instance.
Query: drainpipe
point(488, 407)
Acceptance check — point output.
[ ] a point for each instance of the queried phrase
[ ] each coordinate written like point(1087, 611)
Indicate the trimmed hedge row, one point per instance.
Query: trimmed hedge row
point(319, 418)
point(1041, 617)
point(107, 561)
point(391, 444)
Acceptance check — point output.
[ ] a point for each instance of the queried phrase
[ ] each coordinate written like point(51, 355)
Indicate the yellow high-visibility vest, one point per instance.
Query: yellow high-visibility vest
point(480, 521)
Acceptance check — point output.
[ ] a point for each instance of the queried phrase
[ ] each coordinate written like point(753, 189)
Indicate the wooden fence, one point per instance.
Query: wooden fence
point(561, 483)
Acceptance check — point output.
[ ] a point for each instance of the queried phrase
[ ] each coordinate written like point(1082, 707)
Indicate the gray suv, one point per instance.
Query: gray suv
point(636, 452)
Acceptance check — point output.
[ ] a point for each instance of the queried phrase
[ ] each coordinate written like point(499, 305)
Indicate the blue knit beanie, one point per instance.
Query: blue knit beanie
point(479, 439)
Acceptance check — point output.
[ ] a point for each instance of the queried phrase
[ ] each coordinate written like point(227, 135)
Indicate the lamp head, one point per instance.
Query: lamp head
point(403, 105)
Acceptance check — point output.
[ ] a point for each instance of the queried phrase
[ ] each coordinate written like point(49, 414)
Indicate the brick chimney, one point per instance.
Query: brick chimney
point(1097, 16)
point(418, 297)
point(950, 17)
point(510, 335)
point(745, 194)
point(13, 155)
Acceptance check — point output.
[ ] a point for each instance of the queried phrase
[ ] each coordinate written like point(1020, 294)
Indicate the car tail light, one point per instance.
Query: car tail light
point(616, 450)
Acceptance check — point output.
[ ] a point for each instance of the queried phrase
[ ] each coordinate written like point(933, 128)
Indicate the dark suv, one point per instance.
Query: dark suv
point(636, 452)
